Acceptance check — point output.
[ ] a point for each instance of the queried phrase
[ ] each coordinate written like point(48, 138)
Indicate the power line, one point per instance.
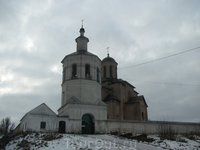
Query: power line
point(154, 82)
point(160, 58)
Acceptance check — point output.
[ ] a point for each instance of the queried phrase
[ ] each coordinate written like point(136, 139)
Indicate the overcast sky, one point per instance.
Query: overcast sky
point(36, 35)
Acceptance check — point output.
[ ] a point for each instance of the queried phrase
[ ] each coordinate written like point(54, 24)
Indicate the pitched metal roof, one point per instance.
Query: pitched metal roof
point(114, 80)
point(111, 97)
point(136, 99)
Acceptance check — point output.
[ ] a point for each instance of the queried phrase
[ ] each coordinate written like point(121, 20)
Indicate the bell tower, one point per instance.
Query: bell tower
point(81, 86)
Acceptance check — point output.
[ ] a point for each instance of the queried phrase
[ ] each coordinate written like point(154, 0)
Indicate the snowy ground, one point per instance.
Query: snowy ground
point(182, 143)
point(97, 142)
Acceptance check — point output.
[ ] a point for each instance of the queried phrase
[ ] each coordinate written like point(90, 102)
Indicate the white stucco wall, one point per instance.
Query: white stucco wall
point(150, 127)
point(76, 111)
point(83, 90)
point(81, 60)
point(31, 122)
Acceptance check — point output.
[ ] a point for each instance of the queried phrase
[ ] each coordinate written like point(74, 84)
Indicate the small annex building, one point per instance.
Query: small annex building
point(91, 95)
point(42, 119)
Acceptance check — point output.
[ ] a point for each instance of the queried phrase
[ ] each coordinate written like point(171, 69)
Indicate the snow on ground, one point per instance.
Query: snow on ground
point(101, 141)
point(181, 143)
point(68, 141)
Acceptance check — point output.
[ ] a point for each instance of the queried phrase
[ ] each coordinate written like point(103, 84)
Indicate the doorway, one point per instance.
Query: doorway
point(88, 124)
point(61, 126)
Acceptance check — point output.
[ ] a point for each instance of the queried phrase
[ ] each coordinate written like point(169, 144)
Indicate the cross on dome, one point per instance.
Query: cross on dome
point(82, 23)
point(108, 51)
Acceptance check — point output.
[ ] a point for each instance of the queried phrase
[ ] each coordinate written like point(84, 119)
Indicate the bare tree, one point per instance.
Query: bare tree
point(6, 126)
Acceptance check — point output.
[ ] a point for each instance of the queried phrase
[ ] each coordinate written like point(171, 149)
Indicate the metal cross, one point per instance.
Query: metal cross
point(82, 23)
point(108, 50)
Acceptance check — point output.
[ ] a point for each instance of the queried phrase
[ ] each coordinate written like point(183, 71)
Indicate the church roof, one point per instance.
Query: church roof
point(78, 53)
point(42, 109)
point(114, 80)
point(136, 99)
point(111, 97)
point(108, 59)
point(74, 100)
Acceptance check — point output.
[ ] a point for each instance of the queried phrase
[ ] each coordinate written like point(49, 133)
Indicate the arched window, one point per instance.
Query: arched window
point(111, 74)
point(97, 74)
point(87, 71)
point(104, 71)
point(74, 71)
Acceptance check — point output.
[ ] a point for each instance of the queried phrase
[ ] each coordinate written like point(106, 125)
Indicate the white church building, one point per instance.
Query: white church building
point(82, 109)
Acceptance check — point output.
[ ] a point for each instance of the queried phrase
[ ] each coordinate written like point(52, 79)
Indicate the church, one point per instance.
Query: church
point(92, 95)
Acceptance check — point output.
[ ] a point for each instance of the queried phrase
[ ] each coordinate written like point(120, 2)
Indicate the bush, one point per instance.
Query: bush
point(52, 136)
point(166, 132)
point(4, 141)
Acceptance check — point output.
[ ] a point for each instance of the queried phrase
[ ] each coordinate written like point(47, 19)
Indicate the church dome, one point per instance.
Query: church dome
point(108, 59)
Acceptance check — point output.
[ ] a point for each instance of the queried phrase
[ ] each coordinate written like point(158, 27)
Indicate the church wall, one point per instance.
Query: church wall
point(113, 109)
point(150, 127)
point(123, 91)
point(132, 111)
point(74, 126)
point(81, 60)
point(84, 90)
point(31, 122)
point(129, 92)
point(105, 91)
point(143, 110)
point(76, 111)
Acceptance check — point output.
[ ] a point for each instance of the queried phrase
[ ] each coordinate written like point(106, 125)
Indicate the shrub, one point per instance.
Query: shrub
point(166, 132)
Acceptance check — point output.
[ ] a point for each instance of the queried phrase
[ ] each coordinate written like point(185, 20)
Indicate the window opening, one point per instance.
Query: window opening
point(43, 125)
point(87, 71)
point(64, 74)
point(74, 73)
point(97, 74)
point(104, 71)
point(111, 75)
point(142, 116)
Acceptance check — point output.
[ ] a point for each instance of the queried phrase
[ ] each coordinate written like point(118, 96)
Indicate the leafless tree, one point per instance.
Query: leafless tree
point(6, 126)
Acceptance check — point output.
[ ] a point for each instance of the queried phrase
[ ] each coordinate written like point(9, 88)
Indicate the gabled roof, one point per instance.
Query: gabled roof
point(136, 99)
point(111, 97)
point(114, 80)
point(42, 109)
point(100, 102)
point(73, 100)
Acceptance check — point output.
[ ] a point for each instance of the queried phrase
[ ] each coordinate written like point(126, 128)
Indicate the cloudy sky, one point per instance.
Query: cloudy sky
point(36, 35)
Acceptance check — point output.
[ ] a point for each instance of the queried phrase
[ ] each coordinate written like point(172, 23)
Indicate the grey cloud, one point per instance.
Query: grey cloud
point(36, 36)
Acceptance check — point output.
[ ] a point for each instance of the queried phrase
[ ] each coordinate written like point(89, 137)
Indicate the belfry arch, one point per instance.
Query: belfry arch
point(88, 124)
